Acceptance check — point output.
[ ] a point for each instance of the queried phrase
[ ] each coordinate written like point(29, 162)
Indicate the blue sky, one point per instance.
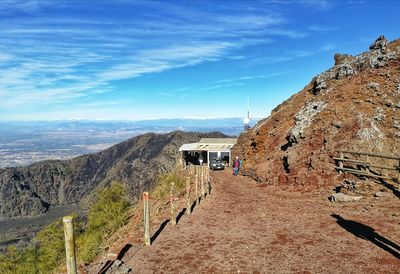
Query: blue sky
point(135, 60)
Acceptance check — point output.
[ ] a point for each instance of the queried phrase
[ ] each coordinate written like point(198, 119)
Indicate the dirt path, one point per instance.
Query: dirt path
point(246, 228)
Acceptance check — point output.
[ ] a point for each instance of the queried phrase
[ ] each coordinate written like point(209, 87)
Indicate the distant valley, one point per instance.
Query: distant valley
point(23, 143)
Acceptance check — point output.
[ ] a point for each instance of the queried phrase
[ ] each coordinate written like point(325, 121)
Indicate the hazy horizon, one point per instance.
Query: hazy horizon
point(25, 142)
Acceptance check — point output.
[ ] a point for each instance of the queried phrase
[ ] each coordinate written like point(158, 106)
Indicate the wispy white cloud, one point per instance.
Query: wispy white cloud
point(328, 47)
point(285, 57)
point(252, 77)
point(231, 82)
point(321, 28)
point(293, 54)
point(5, 57)
point(323, 5)
point(26, 6)
point(58, 58)
point(286, 32)
point(158, 60)
point(165, 94)
point(220, 86)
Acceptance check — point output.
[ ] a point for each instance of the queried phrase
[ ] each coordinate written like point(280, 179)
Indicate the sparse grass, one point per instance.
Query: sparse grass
point(106, 215)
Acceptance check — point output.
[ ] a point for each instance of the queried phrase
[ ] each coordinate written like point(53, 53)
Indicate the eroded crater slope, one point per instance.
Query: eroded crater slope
point(355, 105)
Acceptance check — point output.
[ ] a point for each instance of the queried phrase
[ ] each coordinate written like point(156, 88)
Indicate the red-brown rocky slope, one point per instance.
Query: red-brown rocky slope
point(355, 105)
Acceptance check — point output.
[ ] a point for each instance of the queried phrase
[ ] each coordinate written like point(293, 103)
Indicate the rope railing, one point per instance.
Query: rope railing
point(197, 178)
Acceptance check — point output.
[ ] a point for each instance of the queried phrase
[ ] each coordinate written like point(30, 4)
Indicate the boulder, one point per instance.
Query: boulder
point(342, 58)
point(374, 86)
point(318, 86)
point(344, 70)
point(119, 267)
point(380, 194)
point(379, 115)
point(304, 119)
point(396, 124)
point(341, 197)
point(377, 61)
point(380, 44)
point(388, 103)
point(351, 187)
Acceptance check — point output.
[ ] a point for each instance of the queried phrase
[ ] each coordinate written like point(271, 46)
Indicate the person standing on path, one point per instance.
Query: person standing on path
point(236, 166)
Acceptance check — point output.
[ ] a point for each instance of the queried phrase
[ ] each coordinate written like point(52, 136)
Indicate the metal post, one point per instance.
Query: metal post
point(188, 205)
point(146, 210)
point(69, 244)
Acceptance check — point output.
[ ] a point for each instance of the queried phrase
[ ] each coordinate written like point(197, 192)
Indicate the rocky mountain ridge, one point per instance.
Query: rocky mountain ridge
point(32, 190)
point(354, 105)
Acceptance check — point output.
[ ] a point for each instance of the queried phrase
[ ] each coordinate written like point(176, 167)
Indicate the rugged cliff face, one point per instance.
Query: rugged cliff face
point(32, 190)
point(355, 105)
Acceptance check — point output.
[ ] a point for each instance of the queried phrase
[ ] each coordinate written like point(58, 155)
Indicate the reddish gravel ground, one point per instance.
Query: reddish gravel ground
point(243, 227)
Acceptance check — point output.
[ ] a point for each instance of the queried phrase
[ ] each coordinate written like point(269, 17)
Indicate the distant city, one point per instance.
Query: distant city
point(23, 143)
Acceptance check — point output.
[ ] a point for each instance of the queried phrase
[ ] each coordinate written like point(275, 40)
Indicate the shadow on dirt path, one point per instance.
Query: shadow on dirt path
point(368, 233)
point(159, 230)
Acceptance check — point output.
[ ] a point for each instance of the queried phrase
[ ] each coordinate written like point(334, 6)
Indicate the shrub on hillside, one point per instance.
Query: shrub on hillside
point(163, 185)
point(18, 261)
point(106, 215)
point(44, 255)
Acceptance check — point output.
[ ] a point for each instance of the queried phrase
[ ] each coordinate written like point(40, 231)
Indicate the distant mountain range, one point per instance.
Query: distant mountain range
point(23, 143)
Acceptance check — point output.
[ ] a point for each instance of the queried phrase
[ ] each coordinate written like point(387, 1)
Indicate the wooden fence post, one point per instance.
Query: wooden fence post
point(69, 244)
point(202, 184)
point(188, 205)
point(208, 183)
point(398, 176)
point(146, 216)
point(341, 162)
point(196, 177)
point(173, 206)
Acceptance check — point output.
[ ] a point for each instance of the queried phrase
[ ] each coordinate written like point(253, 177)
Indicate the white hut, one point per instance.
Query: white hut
point(207, 149)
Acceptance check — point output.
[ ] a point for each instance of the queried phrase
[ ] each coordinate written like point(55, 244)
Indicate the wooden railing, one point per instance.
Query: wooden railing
point(365, 165)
